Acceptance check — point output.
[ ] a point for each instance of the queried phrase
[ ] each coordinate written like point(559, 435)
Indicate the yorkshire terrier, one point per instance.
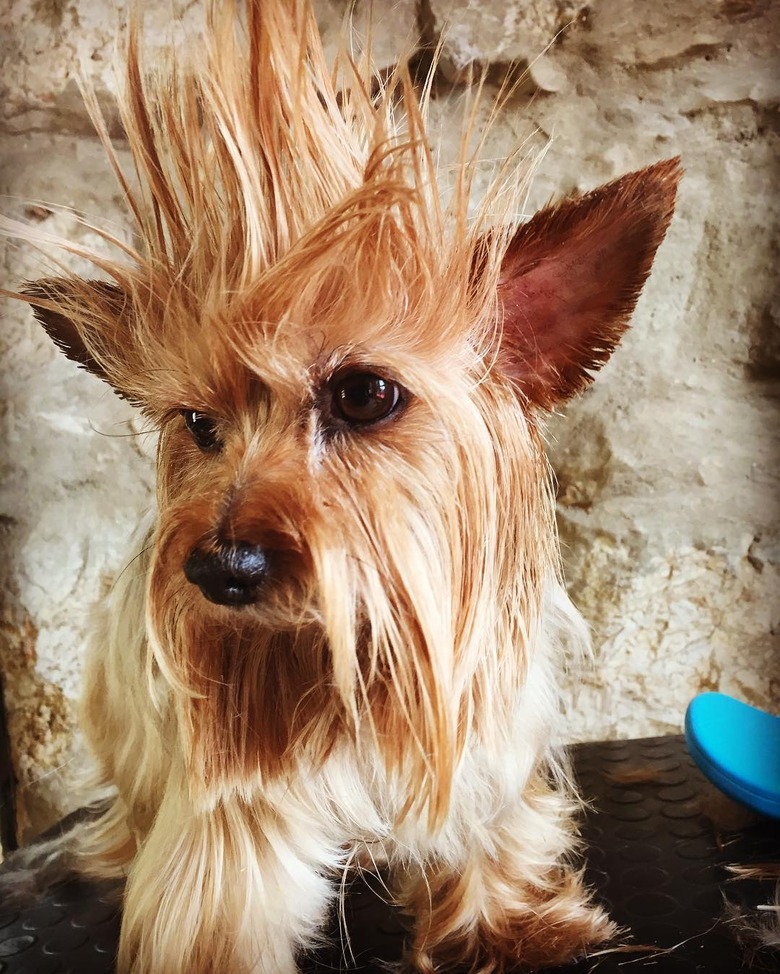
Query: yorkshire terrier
point(344, 640)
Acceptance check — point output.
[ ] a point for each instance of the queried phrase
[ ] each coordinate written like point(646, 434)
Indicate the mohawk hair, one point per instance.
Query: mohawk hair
point(259, 157)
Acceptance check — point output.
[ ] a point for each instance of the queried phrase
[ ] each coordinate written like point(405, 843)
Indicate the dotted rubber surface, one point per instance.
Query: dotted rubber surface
point(654, 856)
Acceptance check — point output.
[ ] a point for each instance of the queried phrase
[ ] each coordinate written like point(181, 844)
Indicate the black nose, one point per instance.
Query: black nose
point(231, 574)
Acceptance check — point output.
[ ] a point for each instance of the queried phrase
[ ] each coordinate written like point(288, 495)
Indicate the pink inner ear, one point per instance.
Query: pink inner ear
point(571, 277)
point(557, 309)
point(542, 305)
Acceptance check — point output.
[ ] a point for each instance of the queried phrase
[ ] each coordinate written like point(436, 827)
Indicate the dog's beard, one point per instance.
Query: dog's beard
point(266, 691)
point(251, 688)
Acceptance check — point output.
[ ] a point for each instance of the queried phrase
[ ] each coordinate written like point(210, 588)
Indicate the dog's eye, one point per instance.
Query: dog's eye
point(364, 397)
point(202, 428)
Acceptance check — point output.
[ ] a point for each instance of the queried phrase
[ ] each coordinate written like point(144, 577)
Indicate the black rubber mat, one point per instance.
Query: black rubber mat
point(655, 856)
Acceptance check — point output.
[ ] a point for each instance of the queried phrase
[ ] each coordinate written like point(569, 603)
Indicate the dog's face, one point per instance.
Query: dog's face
point(311, 454)
point(355, 526)
point(350, 495)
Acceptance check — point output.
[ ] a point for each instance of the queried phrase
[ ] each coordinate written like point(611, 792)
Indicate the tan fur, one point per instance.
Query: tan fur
point(393, 694)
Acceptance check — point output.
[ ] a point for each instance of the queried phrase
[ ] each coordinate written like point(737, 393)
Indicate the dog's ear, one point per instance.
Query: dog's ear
point(88, 320)
point(571, 277)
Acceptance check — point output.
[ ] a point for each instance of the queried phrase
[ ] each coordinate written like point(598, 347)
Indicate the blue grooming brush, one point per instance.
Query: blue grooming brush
point(738, 748)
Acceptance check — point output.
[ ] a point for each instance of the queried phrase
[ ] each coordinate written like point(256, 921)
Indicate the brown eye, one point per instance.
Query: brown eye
point(203, 429)
point(364, 397)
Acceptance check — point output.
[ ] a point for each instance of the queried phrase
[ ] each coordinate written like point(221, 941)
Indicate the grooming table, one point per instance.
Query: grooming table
point(657, 861)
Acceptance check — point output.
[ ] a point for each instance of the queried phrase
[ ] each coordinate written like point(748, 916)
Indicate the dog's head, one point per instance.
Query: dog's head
point(355, 525)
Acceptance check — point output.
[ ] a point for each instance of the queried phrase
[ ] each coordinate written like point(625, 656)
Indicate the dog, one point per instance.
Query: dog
point(339, 642)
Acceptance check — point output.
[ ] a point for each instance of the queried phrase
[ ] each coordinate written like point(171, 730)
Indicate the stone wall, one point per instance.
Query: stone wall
point(668, 466)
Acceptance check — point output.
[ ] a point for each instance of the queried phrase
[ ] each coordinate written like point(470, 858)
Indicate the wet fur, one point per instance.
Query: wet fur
point(393, 698)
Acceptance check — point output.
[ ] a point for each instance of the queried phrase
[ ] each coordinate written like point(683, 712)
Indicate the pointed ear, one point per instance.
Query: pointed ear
point(87, 320)
point(571, 276)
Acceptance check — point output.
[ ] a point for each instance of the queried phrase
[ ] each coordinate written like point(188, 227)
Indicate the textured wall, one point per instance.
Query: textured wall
point(668, 466)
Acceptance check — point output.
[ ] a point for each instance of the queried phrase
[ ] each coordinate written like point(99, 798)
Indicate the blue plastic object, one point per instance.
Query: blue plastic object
point(738, 748)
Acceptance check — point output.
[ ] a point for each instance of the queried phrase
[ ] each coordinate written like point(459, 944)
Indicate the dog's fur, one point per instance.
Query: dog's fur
point(391, 696)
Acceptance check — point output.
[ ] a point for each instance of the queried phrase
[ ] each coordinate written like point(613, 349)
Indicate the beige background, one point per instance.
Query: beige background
point(668, 466)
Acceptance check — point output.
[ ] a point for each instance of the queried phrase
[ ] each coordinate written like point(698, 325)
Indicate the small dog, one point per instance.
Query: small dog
point(344, 641)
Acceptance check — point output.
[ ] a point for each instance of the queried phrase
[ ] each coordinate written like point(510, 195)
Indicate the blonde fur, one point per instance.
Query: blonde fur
point(393, 694)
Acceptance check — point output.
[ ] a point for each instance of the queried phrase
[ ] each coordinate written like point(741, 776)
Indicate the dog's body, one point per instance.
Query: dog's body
point(507, 823)
point(340, 641)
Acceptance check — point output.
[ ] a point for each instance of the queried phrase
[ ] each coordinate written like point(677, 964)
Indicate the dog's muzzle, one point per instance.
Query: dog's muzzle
point(232, 574)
